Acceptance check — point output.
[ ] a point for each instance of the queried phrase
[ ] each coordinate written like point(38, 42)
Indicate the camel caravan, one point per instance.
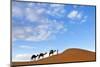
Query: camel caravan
point(41, 55)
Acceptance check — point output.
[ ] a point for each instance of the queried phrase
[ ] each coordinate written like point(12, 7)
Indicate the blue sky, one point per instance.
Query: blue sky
point(40, 27)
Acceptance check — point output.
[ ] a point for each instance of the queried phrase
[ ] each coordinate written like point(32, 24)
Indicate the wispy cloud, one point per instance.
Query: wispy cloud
point(56, 10)
point(39, 26)
point(76, 16)
point(40, 32)
point(25, 47)
point(22, 57)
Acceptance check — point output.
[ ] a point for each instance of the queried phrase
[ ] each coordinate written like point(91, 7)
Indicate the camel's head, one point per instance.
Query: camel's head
point(45, 52)
point(37, 55)
point(54, 50)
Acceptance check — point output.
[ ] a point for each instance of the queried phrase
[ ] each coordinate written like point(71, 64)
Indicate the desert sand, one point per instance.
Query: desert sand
point(69, 55)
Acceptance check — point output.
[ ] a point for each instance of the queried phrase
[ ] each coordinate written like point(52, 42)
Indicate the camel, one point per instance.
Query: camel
point(41, 55)
point(34, 57)
point(52, 52)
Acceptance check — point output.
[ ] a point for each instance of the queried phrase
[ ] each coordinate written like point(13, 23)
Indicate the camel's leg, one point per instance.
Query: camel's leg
point(49, 54)
point(34, 59)
point(39, 57)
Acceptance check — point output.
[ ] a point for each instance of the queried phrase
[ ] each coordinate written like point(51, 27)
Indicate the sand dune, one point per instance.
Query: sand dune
point(69, 55)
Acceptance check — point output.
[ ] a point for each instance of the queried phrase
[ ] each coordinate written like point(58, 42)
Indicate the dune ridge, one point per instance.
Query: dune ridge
point(69, 55)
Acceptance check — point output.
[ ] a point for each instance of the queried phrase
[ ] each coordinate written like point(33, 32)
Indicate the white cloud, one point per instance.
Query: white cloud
point(84, 19)
point(42, 35)
point(56, 10)
point(40, 32)
point(36, 11)
point(22, 57)
point(42, 28)
point(34, 14)
point(76, 16)
point(25, 47)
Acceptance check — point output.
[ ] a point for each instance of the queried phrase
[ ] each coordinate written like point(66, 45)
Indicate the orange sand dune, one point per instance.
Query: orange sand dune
point(69, 55)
